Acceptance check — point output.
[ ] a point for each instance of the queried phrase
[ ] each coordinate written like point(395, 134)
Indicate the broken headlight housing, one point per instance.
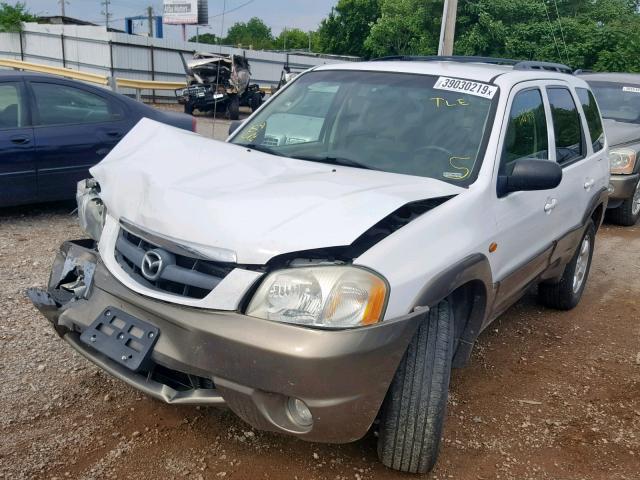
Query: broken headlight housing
point(91, 211)
point(321, 296)
point(622, 160)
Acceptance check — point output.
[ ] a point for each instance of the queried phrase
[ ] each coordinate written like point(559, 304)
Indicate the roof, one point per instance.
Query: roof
point(481, 72)
point(611, 77)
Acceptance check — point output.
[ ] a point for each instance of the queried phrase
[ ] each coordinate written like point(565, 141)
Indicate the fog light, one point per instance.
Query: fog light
point(299, 412)
point(611, 189)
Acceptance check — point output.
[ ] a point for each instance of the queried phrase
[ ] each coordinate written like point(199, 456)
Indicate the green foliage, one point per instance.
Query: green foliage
point(12, 16)
point(254, 33)
point(292, 39)
point(405, 27)
point(589, 34)
point(347, 27)
point(205, 38)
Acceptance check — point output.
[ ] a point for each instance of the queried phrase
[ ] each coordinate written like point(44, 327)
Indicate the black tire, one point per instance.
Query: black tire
point(256, 101)
point(624, 215)
point(234, 108)
point(188, 108)
point(563, 295)
point(413, 412)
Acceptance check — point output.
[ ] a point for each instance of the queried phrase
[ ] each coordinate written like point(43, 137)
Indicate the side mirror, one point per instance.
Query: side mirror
point(530, 174)
point(233, 126)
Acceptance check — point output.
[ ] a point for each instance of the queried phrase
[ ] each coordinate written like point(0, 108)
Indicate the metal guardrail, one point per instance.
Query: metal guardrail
point(148, 84)
point(91, 77)
point(64, 72)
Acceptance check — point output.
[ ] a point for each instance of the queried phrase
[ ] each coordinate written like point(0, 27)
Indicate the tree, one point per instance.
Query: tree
point(406, 27)
point(205, 38)
point(346, 28)
point(12, 16)
point(292, 39)
point(254, 33)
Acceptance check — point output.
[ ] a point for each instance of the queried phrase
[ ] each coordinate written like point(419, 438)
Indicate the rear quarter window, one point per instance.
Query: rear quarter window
point(594, 121)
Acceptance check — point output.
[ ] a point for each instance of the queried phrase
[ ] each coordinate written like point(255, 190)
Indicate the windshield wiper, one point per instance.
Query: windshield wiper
point(346, 162)
point(262, 148)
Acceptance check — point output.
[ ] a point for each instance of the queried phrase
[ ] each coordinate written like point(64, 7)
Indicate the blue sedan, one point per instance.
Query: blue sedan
point(52, 130)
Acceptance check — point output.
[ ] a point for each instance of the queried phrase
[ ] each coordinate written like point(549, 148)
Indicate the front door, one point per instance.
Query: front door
point(17, 163)
point(527, 221)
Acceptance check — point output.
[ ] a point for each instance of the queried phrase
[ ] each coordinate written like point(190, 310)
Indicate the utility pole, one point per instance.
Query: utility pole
point(150, 17)
point(448, 29)
point(106, 13)
point(62, 5)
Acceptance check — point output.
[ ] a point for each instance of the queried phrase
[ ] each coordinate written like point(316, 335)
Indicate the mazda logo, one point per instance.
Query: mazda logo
point(152, 265)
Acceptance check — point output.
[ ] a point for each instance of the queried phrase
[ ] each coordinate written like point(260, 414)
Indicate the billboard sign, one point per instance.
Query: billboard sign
point(180, 12)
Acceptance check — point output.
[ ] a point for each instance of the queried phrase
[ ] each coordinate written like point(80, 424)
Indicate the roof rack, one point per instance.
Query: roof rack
point(516, 64)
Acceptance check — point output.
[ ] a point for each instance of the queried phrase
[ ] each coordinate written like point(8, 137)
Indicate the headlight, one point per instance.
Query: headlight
point(91, 210)
point(622, 160)
point(325, 297)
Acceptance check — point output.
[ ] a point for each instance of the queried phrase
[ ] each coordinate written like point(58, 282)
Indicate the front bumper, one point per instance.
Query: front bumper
point(252, 365)
point(624, 186)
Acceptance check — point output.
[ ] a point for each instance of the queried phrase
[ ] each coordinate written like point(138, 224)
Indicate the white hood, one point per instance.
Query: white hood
point(212, 193)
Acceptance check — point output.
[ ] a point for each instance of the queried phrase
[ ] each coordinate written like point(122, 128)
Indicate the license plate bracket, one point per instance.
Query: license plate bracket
point(122, 337)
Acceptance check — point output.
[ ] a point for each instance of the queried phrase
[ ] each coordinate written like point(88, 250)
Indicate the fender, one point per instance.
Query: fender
point(473, 273)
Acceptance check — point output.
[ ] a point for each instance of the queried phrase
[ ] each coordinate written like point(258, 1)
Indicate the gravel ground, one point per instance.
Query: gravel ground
point(548, 394)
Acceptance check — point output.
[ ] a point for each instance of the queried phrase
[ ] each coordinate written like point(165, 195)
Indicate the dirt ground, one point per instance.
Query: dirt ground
point(548, 395)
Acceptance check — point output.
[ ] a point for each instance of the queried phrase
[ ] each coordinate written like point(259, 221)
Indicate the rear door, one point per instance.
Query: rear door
point(74, 128)
point(527, 221)
point(17, 165)
point(581, 158)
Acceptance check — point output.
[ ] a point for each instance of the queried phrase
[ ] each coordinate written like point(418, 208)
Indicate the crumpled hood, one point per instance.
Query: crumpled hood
point(621, 133)
point(212, 193)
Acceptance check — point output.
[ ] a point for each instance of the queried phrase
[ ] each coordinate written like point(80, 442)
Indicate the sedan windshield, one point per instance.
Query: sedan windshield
point(618, 101)
point(393, 122)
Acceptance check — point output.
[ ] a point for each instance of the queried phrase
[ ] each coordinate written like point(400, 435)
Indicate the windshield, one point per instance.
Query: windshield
point(618, 101)
point(401, 123)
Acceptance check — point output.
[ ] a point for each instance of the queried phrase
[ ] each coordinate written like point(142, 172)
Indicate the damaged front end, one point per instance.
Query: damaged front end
point(70, 280)
point(73, 268)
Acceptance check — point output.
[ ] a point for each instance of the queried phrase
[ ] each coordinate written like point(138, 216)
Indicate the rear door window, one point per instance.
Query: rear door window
point(594, 121)
point(566, 125)
point(527, 135)
point(64, 105)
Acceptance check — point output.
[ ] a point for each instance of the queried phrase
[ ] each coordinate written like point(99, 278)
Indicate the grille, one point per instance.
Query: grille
point(180, 275)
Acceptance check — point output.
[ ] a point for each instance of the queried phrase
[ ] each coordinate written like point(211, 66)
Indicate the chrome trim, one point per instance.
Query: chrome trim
point(179, 247)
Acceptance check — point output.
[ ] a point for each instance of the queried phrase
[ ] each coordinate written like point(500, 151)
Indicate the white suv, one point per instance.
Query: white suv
point(330, 263)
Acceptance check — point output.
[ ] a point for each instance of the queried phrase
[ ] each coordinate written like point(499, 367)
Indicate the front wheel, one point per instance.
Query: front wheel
point(188, 108)
point(414, 410)
point(628, 213)
point(234, 108)
point(566, 294)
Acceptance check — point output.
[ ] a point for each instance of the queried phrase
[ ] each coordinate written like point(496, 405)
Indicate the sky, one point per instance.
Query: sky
point(277, 14)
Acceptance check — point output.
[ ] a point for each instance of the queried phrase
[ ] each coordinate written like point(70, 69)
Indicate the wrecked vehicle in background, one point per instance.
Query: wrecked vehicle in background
point(218, 83)
point(320, 273)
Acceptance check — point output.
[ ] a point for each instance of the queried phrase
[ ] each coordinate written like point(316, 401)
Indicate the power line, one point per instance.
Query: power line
point(566, 53)
point(551, 29)
point(224, 12)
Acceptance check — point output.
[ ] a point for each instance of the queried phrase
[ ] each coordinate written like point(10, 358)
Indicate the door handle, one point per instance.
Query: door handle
point(20, 140)
point(590, 182)
point(550, 205)
point(114, 134)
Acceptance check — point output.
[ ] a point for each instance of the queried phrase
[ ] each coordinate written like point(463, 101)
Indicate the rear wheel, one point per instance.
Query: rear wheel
point(234, 108)
point(628, 213)
point(414, 410)
point(566, 294)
